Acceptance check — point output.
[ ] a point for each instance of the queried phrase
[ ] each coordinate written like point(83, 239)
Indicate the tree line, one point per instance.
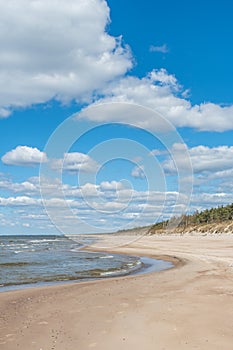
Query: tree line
point(207, 216)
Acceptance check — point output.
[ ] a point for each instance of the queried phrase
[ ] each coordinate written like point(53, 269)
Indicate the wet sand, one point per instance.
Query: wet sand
point(187, 307)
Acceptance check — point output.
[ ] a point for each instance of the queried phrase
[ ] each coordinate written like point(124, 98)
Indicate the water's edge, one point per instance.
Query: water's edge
point(40, 260)
point(148, 265)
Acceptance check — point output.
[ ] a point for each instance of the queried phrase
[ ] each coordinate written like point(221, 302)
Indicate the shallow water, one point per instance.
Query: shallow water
point(39, 259)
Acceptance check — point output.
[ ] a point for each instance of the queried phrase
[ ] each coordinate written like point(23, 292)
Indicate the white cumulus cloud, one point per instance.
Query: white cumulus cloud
point(24, 156)
point(62, 50)
point(19, 201)
point(204, 159)
point(111, 186)
point(138, 172)
point(56, 49)
point(75, 161)
point(161, 92)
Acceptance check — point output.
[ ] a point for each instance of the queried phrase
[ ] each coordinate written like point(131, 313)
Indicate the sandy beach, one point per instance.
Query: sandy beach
point(187, 307)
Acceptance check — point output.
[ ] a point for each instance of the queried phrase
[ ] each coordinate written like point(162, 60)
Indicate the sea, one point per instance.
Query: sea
point(41, 260)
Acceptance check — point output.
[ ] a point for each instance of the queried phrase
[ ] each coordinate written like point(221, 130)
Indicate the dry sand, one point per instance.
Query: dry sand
point(188, 307)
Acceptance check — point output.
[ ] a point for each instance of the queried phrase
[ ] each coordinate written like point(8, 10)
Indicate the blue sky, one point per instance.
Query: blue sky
point(197, 35)
point(159, 74)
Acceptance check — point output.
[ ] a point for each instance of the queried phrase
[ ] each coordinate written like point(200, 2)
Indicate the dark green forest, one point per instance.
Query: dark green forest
point(207, 216)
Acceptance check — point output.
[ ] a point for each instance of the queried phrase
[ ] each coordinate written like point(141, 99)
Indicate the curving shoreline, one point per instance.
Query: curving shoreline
point(180, 308)
point(149, 264)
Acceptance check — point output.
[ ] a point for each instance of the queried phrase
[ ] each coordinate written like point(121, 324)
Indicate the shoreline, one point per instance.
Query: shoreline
point(148, 267)
point(188, 306)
